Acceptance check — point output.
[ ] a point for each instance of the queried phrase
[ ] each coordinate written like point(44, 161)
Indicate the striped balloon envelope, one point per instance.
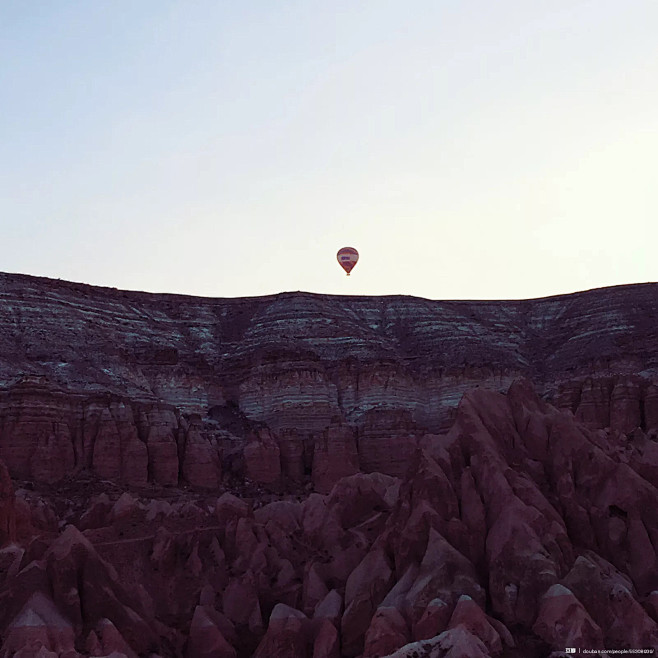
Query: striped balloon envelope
point(347, 258)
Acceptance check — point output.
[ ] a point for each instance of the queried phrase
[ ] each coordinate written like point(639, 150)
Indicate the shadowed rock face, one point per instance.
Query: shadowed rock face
point(326, 476)
point(517, 531)
point(168, 389)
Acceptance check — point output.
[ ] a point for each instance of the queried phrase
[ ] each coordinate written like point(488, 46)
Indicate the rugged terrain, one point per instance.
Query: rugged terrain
point(322, 476)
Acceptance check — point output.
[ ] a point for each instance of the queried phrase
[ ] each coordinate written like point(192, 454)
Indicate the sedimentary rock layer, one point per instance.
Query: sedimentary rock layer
point(277, 356)
point(325, 476)
point(169, 389)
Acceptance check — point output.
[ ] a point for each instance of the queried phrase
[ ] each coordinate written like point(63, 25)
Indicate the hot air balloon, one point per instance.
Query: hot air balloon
point(347, 258)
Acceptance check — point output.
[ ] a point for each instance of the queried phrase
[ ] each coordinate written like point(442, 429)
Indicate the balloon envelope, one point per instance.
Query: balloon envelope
point(347, 258)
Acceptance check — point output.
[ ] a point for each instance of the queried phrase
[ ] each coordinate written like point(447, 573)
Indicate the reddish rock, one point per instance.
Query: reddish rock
point(563, 621)
point(125, 507)
point(200, 466)
point(444, 572)
point(163, 553)
point(527, 542)
point(651, 407)
point(263, 460)
point(38, 621)
point(454, 643)
point(353, 499)
point(320, 523)
point(106, 455)
point(161, 426)
point(86, 587)
point(285, 587)
point(284, 513)
point(93, 644)
point(111, 641)
point(293, 449)
point(643, 457)
point(282, 366)
point(314, 588)
point(11, 557)
point(335, 456)
point(387, 442)
point(158, 510)
point(396, 595)
point(281, 354)
point(230, 508)
point(594, 407)
point(364, 590)
point(53, 456)
point(433, 621)
point(388, 631)
point(288, 634)
point(494, 500)
point(651, 605)
point(35, 649)
point(607, 595)
point(330, 608)
point(625, 405)
point(206, 639)
point(643, 562)
point(97, 513)
point(111, 436)
point(35, 440)
point(32, 520)
point(327, 641)
point(468, 614)
point(428, 485)
point(7, 507)
point(473, 514)
point(241, 605)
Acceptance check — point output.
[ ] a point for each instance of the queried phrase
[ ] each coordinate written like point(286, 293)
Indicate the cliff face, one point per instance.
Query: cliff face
point(517, 533)
point(316, 476)
point(128, 370)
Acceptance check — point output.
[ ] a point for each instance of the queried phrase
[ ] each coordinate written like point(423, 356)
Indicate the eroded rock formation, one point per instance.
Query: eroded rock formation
point(318, 476)
point(518, 530)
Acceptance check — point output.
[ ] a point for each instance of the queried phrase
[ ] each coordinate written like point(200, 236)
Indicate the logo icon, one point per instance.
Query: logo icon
point(570, 650)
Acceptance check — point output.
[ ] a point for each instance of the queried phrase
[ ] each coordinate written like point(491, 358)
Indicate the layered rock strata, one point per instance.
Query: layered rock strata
point(325, 476)
point(172, 389)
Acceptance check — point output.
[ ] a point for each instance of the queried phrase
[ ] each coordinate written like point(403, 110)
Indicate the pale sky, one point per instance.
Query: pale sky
point(469, 149)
